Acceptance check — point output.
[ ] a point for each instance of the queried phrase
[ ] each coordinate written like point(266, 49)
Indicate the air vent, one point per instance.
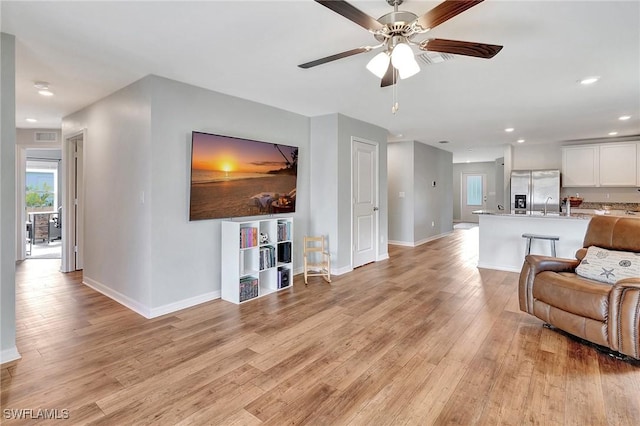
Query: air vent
point(46, 136)
point(430, 58)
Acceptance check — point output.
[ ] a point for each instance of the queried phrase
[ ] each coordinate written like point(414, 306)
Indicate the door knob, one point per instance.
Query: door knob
point(375, 209)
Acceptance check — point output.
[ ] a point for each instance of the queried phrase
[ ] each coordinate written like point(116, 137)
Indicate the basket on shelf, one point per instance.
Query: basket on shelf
point(574, 201)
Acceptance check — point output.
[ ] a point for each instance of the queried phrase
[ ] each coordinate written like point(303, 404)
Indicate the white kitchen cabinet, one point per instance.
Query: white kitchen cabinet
point(580, 165)
point(619, 164)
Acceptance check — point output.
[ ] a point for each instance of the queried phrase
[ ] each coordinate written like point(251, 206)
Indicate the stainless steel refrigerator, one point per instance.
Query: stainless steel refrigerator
point(531, 189)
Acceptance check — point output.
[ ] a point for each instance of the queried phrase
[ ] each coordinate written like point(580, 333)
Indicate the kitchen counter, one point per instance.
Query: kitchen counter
point(502, 247)
point(540, 215)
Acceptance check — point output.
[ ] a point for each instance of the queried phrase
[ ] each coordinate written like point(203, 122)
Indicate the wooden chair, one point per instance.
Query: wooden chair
point(317, 260)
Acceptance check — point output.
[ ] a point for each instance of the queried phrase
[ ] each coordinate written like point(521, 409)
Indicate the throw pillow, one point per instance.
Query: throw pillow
point(609, 266)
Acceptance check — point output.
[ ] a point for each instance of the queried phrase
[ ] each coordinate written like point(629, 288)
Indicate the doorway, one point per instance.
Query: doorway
point(43, 204)
point(38, 199)
point(474, 196)
point(365, 202)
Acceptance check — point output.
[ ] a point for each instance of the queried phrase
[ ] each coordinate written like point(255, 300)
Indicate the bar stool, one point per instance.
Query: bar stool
point(552, 241)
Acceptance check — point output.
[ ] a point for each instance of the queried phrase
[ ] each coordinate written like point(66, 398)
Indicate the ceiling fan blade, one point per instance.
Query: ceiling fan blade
point(445, 11)
point(352, 13)
point(467, 48)
point(390, 77)
point(335, 57)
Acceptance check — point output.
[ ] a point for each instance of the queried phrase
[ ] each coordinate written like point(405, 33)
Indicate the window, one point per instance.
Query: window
point(474, 190)
point(41, 183)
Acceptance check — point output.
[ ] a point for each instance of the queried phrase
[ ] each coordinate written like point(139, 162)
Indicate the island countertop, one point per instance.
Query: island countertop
point(502, 247)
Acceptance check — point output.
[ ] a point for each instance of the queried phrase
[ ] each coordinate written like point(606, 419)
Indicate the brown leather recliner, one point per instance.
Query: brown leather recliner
point(605, 314)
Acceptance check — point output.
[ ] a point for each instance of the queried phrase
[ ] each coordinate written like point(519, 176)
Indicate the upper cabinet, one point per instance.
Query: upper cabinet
point(618, 164)
point(611, 164)
point(580, 165)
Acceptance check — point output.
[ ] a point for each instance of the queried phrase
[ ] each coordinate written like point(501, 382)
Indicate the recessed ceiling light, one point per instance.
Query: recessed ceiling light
point(624, 117)
point(468, 161)
point(520, 141)
point(613, 133)
point(399, 135)
point(509, 129)
point(31, 120)
point(589, 80)
point(43, 88)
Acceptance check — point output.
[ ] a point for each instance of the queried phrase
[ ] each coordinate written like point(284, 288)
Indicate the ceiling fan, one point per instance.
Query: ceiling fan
point(395, 32)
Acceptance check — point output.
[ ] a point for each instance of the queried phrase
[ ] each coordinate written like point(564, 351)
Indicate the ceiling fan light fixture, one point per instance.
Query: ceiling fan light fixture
point(401, 55)
point(409, 69)
point(403, 59)
point(378, 64)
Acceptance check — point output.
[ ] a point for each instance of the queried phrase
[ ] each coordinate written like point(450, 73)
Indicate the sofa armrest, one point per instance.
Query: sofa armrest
point(624, 317)
point(533, 265)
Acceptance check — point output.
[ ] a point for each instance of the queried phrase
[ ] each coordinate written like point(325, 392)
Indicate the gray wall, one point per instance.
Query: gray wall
point(26, 137)
point(8, 350)
point(323, 172)
point(185, 256)
point(537, 156)
point(425, 211)
point(433, 204)
point(139, 244)
point(330, 204)
point(117, 170)
point(488, 168)
point(401, 192)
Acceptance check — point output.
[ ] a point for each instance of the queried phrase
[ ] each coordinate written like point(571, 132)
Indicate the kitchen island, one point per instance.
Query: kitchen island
point(502, 246)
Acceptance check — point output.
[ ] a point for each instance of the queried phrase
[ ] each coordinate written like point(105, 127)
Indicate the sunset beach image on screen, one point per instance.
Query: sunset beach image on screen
point(235, 177)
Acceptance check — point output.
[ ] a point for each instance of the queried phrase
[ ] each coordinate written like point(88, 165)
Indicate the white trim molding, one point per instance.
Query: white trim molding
point(8, 355)
point(147, 311)
point(184, 304)
point(419, 243)
point(125, 301)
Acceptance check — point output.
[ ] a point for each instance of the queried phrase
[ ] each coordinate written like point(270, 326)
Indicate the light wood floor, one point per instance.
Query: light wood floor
point(423, 338)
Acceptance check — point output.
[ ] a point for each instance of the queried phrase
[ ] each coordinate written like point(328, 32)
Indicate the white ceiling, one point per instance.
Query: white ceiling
point(251, 49)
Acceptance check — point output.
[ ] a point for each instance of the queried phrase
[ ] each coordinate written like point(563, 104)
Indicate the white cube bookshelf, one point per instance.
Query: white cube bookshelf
point(252, 267)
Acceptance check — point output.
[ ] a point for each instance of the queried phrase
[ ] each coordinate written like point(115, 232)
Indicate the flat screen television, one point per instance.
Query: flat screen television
point(234, 177)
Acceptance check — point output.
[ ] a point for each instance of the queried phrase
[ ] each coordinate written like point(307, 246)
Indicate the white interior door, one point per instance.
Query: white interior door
point(365, 202)
point(474, 195)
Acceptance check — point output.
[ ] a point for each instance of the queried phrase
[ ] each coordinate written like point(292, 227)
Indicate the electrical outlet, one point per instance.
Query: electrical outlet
point(433, 224)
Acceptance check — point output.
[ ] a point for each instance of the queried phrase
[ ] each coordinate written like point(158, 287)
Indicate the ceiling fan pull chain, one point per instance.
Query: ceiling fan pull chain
point(394, 91)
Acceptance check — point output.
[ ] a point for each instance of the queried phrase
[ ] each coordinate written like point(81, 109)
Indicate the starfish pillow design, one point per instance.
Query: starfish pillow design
point(608, 272)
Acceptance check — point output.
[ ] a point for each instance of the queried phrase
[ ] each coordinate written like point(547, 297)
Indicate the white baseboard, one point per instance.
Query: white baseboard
point(499, 267)
point(8, 355)
point(419, 243)
point(341, 271)
point(147, 311)
point(184, 304)
point(383, 256)
point(126, 301)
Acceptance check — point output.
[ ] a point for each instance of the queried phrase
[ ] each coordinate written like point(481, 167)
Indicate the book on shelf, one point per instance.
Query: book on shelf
point(284, 231)
point(284, 252)
point(248, 288)
point(248, 237)
point(283, 277)
point(267, 257)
